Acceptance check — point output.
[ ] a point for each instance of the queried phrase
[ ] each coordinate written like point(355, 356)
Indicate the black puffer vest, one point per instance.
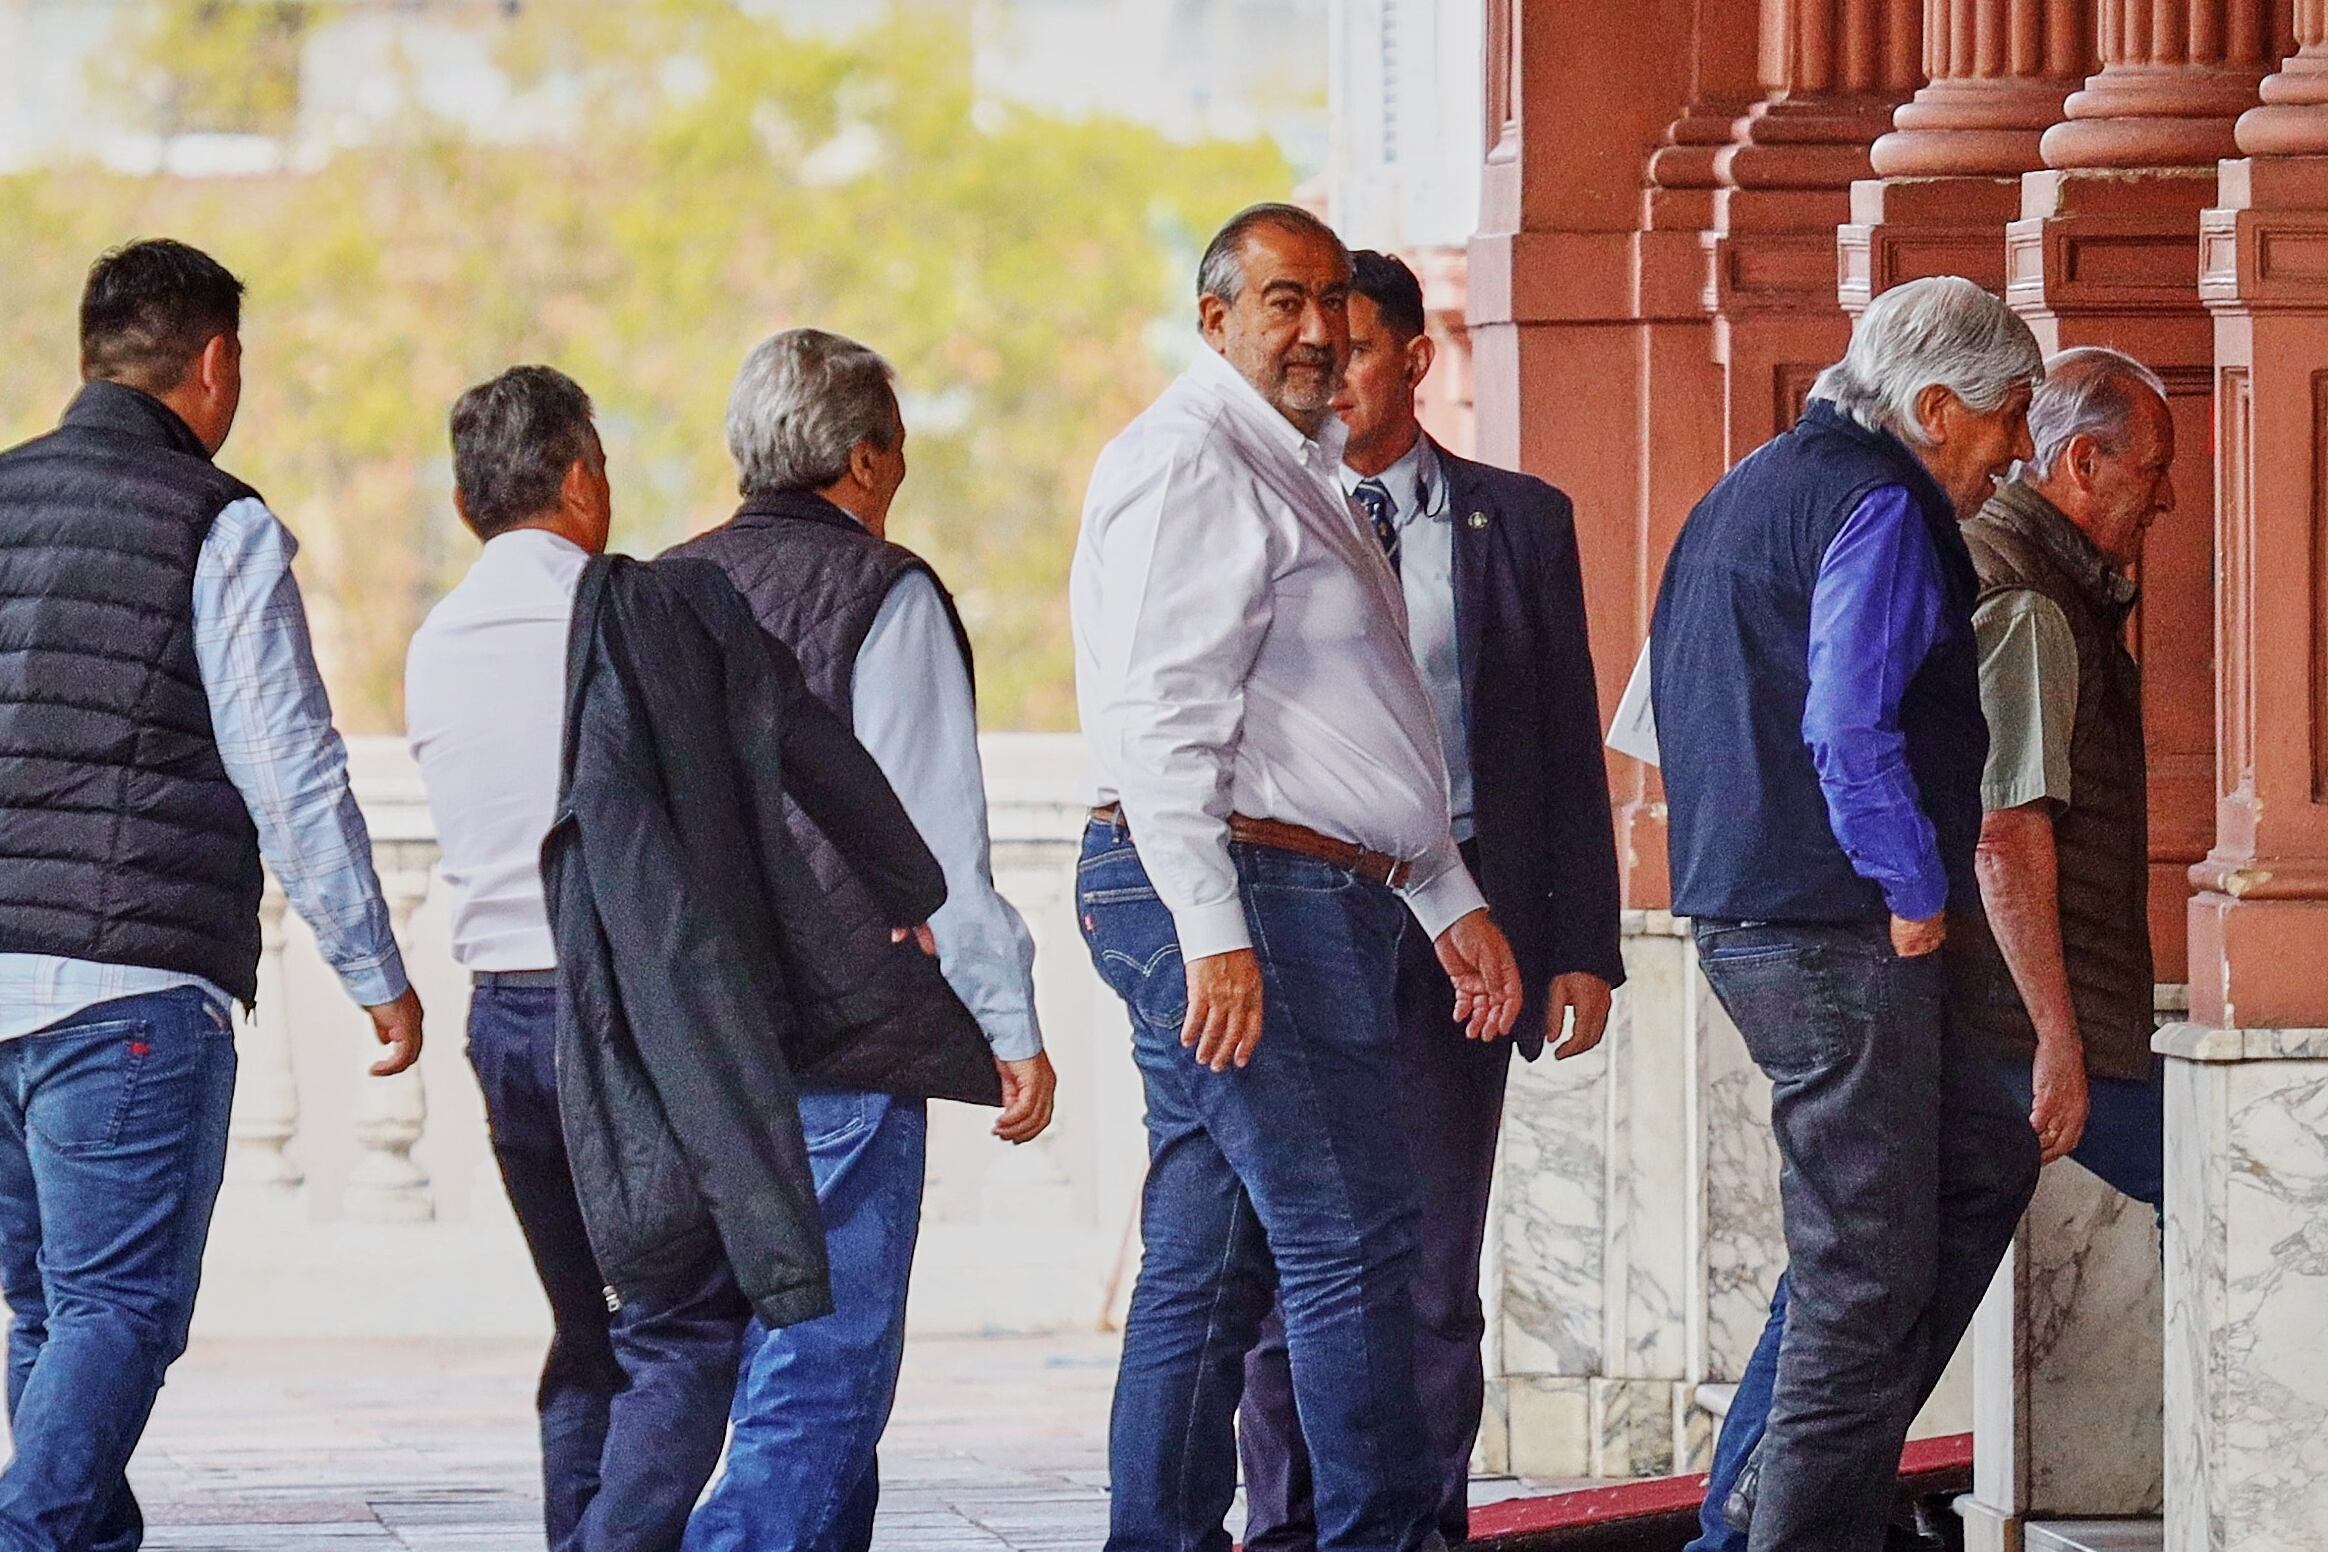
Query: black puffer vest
point(815, 580)
point(121, 838)
point(2101, 840)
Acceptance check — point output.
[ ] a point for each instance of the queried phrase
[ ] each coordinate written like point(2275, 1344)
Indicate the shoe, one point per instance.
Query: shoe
point(1738, 1507)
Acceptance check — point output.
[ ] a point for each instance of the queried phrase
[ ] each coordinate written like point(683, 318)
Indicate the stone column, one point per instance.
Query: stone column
point(384, 1184)
point(1949, 170)
point(2247, 1078)
point(1835, 72)
point(2106, 253)
point(266, 1093)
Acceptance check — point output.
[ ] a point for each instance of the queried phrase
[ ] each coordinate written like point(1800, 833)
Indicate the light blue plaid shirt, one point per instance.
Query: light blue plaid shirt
point(272, 720)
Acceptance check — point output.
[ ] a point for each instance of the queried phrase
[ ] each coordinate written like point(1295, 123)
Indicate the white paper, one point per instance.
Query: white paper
point(1634, 731)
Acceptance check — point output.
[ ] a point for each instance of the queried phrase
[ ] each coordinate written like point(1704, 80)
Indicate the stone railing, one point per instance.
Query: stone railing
point(363, 1205)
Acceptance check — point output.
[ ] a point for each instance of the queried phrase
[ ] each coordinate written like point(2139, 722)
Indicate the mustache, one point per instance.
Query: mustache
point(1310, 355)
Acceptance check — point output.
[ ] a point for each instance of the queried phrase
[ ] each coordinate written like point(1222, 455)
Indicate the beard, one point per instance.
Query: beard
point(1303, 382)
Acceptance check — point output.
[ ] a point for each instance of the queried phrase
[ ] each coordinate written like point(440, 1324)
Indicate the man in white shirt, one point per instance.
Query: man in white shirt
point(633, 1405)
point(819, 447)
point(1269, 787)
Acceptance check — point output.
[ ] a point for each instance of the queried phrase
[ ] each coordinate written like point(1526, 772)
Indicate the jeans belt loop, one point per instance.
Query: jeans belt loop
point(1299, 840)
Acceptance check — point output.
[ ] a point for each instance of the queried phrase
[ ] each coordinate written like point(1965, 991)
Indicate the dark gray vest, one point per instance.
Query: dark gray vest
point(815, 580)
point(121, 838)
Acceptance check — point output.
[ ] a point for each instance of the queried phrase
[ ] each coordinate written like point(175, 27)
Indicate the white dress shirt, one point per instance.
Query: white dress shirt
point(271, 719)
point(912, 706)
point(1426, 574)
point(484, 706)
point(1240, 646)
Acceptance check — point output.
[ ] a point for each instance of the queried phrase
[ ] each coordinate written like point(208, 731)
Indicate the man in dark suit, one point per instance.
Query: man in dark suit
point(1495, 615)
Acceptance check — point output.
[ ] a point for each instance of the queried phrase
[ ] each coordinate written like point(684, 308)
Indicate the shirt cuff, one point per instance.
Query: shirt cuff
point(373, 981)
point(1440, 902)
point(1918, 899)
point(1206, 930)
point(1014, 1038)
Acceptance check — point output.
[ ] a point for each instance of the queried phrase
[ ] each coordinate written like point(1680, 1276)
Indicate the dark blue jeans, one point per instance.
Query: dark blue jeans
point(1906, 1158)
point(633, 1405)
point(1454, 1112)
point(2124, 1144)
point(1289, 1178)
point(802, 1471)
point(112, 1147)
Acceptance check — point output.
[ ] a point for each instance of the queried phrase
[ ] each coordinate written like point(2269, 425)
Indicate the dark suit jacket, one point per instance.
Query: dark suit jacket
point(1540, 785)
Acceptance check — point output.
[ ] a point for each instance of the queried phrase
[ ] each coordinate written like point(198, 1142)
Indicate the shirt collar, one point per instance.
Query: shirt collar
point(1323, 451)
point(1417, 486)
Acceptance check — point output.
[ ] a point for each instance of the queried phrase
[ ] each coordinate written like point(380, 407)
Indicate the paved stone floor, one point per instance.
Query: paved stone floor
point(272, 1447)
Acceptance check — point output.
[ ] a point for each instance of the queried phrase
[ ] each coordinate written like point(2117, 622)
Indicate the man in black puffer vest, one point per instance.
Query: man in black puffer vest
point(820, 445)
point(161, 724)
point(1819, 722)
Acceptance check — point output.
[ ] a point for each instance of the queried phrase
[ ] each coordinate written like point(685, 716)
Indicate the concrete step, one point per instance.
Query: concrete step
point(2095, 1536)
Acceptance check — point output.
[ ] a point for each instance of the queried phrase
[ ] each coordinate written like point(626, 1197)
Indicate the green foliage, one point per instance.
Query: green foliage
point(716, 178)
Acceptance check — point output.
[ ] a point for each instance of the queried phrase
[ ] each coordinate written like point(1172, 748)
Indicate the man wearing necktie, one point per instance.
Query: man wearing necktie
point(1487, 562)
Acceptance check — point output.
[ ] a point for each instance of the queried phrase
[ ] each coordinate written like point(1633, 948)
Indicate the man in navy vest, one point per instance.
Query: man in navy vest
point(163, 726)
point(1486, 560)
point(1817, 693)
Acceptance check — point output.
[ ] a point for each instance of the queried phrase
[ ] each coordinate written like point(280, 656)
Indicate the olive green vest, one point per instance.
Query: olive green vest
point(2101, 840)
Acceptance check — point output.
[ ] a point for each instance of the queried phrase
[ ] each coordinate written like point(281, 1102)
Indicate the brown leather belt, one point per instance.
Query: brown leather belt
point(1373, 866)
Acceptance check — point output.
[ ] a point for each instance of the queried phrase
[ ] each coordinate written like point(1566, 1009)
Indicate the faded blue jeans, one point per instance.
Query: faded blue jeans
point(1290, 1177)
point(802, 1472)
point(112, 1147)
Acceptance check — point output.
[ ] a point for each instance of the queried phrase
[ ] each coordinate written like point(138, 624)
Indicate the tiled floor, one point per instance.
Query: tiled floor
point(277, 1447)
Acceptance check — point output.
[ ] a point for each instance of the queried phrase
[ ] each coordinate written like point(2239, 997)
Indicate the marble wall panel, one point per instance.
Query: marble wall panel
point(1552, 1213)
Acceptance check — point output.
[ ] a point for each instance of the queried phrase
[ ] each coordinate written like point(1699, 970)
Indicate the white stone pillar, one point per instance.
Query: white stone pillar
point(266, 1095)
point(385, 1185)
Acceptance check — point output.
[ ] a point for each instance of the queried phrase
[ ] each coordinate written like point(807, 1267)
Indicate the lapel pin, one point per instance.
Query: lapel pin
point(1477, 519)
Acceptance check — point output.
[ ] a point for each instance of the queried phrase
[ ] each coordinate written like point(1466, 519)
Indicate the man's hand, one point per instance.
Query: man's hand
point(1915, 939)
point(1487, 980)
point(920, 934)
point(1027, 1090)
point(2058, 1112)
point(1589, 996)
point(398, 1026)
point(1224, 1008)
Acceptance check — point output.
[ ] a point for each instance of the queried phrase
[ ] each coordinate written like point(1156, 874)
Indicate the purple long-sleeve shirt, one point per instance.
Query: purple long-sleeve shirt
point(1877, 610)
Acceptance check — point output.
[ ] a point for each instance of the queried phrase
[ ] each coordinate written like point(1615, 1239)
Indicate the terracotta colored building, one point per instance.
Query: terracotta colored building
point(1681, 203)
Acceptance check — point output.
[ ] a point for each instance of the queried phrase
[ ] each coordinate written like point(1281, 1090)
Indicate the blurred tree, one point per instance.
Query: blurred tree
point(714, 178)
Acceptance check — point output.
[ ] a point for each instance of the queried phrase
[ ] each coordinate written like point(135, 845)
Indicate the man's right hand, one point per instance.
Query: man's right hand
point(1224, 1008)
point(1915, 939)
point(1487, 979)
point(2058, 1096)
point(397, 1024)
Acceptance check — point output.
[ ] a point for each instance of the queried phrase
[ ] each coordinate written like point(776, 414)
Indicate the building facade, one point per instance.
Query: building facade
point(1682, 202)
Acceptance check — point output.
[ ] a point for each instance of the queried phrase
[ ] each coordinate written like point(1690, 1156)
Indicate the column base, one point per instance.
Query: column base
point(1904, 229)
point(2153, 116)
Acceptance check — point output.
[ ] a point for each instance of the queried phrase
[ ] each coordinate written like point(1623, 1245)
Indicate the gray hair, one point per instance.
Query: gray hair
point(2091, 392)
point(514, 438)
point(1942, 332)
point(803, 399)
point(1222, 272)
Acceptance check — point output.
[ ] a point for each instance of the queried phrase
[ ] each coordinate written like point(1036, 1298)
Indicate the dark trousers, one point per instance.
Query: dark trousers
point(1906, 1159)
point(2124, 1144)
point(633, 1404)
point(1287, 1179)
point(112, 1147)
point(1453, 1111)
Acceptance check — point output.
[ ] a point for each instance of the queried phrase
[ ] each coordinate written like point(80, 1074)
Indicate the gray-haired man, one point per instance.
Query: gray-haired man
point(819, 445)
point(1817, 689)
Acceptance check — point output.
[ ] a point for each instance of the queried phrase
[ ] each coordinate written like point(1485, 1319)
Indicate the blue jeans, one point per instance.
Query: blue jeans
point(2124, 1144)
point(112, 1148)
point(802, 1472)
point(1906, 1159)
point(633, 1405)
point(1290, 1177)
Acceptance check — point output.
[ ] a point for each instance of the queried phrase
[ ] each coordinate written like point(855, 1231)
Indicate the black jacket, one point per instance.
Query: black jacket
point(816, 579)
point(121, 838)
point(690, 932)
point(1540, 784)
